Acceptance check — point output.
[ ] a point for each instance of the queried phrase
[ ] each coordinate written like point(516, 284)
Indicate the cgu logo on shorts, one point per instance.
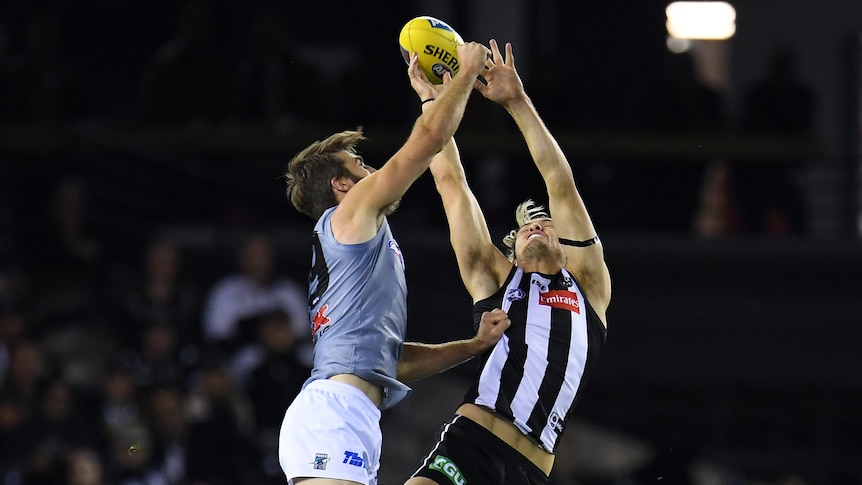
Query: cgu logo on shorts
point(448, 468)
point(566, 300)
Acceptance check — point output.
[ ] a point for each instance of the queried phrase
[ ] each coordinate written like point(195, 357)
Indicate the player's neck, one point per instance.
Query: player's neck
point(541, 266)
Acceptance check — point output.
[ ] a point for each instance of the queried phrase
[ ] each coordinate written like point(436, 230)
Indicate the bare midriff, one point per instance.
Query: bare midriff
point(509, 434)
point(373, 391)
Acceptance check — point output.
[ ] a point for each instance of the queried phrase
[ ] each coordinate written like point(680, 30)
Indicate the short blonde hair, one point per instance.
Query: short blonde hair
point(309, 172)
point(526, 212)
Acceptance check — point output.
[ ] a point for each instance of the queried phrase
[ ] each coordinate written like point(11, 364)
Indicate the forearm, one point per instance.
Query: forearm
point(441, 117)
point(543, 147)
point(419, 361)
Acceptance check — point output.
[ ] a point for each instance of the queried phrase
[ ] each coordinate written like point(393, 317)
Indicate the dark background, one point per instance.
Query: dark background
point(732, 241)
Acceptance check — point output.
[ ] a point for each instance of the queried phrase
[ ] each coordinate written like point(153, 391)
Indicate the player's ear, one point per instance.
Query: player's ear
point(340, 184)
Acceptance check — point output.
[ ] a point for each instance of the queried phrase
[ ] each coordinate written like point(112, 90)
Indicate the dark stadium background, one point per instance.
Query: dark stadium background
point(732, 354)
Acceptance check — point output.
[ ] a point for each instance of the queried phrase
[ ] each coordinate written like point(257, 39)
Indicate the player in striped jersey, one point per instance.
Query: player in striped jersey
point(554, 285)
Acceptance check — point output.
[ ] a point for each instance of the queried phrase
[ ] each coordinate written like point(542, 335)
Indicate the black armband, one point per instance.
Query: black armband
point(580, 244)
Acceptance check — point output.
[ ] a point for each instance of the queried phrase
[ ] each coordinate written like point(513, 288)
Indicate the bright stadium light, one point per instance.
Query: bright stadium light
point(701, 20)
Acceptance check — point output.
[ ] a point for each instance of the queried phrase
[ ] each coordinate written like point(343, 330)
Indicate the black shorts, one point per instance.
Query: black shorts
point(468, 454)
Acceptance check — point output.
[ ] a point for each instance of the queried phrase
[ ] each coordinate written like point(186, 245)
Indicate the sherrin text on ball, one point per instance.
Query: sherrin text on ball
point(436, 44)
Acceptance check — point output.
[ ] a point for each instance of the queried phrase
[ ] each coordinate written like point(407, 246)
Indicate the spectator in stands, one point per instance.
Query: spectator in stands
point(29, 369)
point(780, 104)
point(84, 466)
point(66, 257)
point(158, 360)
point(118, 406)
point(170, 423)
point(273, 384)
point(162, 298)
point(131, 460)
point(678, 104)
point(59, 426)
point(220, 413)
point(12, 418)
point(238, 301)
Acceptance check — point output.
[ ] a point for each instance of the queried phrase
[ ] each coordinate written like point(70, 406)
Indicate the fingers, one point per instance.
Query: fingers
point(498, 316)
point(496, 57)
point(474, 55)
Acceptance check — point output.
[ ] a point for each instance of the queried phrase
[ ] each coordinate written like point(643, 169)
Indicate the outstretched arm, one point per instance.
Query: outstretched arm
point(568, 211)
point(482, 266)
point(419, 361)
point(360, 213)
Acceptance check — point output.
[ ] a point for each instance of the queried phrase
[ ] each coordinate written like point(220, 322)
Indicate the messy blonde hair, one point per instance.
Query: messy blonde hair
point(309, 172)
point(526, 212)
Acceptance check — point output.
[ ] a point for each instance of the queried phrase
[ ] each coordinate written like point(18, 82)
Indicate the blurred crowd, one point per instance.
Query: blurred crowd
point(149, 375)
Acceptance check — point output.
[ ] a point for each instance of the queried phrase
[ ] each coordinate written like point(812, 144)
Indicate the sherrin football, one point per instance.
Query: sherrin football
point(435, 42)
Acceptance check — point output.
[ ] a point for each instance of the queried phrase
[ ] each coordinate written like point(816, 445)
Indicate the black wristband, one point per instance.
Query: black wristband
point(427, 100)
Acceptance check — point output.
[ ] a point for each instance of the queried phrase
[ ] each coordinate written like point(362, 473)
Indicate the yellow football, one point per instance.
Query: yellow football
point(435, 42)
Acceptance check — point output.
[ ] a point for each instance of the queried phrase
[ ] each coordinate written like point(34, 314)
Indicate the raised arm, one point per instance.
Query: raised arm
point(482, 266)
point(568, 211)
point(361, 211)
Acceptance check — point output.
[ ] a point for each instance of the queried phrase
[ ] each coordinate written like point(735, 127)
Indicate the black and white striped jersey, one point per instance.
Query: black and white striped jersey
point(533, 375)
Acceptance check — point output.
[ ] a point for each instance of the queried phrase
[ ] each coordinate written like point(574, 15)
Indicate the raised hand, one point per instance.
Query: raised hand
point(472, 57)
point(419, 81)
point(504, 85)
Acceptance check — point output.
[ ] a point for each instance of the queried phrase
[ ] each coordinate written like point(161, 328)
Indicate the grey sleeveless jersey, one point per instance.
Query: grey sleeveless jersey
point(357, 299)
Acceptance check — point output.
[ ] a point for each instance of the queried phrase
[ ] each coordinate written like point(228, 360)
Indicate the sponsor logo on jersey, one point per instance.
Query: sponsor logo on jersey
point(320, 322)
point(540, 285)
point(566, 300)
point(393, 246)
point(353, 458)
point(320, 460)
point(566, 281)
point(515, 294)
point(556, 422)
point(448, 468)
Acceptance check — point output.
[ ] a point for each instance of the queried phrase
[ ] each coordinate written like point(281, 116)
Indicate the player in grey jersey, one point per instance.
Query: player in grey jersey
point(357, 292)
point(555, 286)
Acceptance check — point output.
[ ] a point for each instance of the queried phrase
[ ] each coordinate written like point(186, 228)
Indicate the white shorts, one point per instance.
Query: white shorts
point(331, 430)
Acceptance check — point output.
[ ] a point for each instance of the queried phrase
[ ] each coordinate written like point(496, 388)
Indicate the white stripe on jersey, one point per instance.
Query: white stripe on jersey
point(574, 371)
point(536, 336)
point(489, 382)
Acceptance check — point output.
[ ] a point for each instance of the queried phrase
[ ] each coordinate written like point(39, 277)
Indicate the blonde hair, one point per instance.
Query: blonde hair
point(526, 212)
point(309, 172)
